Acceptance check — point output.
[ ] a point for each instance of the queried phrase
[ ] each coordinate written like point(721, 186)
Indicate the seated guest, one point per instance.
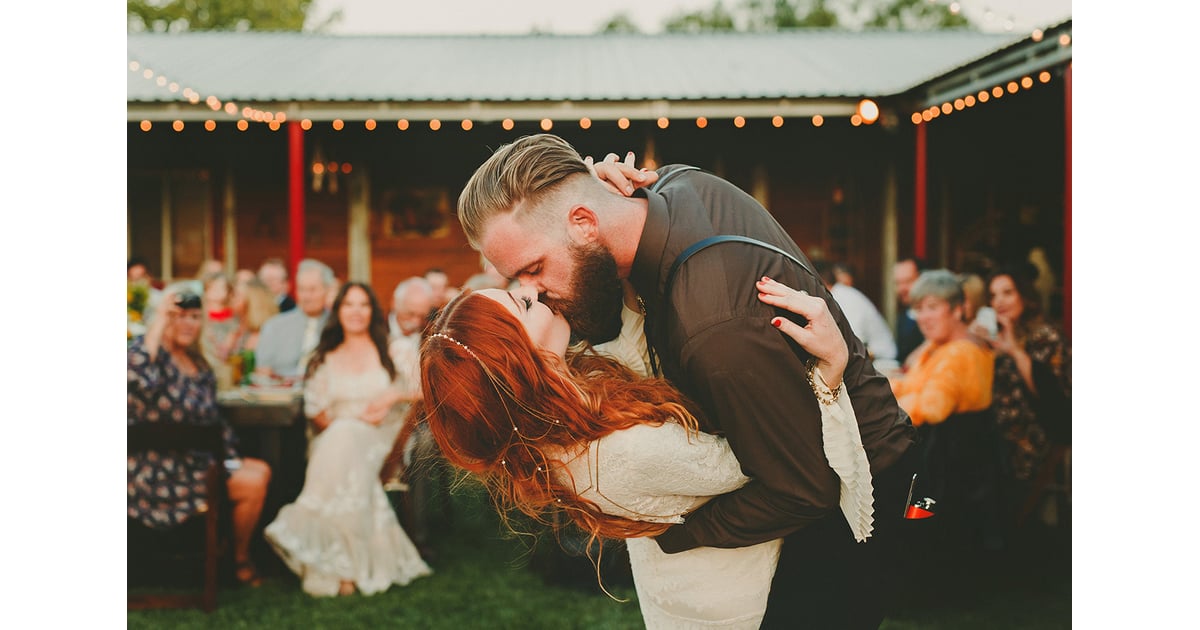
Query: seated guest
point(170, 381)
point(221, 326)
point(908, 334)
point(287, 339)
point(980, 318)
point(865, 320)
point(950, 373)
point(1032, 388)
point(341, 533)
point(413, 301)
point(274, 274)
point(412, 308)
point(442, 291)
point(253, 305)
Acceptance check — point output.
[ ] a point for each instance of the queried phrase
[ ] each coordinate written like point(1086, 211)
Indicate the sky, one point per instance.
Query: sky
point(573, 16)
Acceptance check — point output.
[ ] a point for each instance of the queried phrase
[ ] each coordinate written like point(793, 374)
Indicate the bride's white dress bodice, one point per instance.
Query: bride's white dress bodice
point(659, 474)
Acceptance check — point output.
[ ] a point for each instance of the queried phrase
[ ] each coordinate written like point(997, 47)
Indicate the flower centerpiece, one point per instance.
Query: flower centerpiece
point(137, 298)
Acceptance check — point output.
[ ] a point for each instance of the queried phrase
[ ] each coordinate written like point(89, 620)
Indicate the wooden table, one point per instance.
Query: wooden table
point(269, 411)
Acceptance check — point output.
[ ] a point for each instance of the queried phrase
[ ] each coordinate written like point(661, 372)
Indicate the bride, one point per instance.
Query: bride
point(619, 454)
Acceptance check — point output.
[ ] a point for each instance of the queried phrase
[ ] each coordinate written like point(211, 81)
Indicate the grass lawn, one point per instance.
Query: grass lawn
point(483, 579)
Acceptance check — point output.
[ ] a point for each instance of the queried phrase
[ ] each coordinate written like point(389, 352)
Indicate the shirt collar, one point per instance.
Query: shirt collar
point(648, 261)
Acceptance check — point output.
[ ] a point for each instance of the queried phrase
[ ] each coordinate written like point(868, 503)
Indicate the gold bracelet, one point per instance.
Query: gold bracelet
point(828, 397)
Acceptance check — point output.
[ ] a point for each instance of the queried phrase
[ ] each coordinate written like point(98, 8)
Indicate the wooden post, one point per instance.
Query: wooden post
point(359, 228)
point(295, 197)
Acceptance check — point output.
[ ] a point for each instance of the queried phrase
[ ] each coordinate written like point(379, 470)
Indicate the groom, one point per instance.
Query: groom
point(539, 215)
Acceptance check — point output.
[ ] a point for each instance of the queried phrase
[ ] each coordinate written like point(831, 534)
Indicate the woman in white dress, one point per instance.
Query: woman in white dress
point(341, 533)
point(619, 454)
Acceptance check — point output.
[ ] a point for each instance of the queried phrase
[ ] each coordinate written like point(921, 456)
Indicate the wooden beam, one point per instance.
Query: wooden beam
point(296, 178)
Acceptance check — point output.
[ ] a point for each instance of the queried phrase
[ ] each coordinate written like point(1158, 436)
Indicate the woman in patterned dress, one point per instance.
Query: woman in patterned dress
point(1032, 386)
point(170, 381)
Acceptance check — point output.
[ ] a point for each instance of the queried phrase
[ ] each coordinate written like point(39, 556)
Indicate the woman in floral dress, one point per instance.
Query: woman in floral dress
point(170, 381)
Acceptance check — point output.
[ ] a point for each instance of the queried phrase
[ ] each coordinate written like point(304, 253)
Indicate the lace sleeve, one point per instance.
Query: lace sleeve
point(666, 461)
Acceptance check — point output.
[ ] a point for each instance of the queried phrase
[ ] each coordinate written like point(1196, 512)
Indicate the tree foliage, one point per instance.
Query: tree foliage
point(774, 15)
point(915, 15)
point(222, 15)
point(620, 23)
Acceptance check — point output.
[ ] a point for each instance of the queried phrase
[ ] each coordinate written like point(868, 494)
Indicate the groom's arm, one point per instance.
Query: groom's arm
point(749, 381)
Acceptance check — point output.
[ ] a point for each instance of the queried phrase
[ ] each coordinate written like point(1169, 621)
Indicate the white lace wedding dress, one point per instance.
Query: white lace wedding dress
point(660, 474)
point(342, 525)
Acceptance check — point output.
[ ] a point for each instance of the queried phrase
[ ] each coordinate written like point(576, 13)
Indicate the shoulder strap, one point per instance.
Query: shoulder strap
point(724, 238)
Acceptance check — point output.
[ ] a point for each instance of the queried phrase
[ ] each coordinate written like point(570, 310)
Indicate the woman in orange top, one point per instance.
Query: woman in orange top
point(950, 373)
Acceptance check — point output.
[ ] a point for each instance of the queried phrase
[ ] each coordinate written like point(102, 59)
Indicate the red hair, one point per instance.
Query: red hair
point(508, 412)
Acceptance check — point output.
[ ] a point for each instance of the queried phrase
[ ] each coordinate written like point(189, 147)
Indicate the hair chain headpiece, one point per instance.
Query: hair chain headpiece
point(457, 343)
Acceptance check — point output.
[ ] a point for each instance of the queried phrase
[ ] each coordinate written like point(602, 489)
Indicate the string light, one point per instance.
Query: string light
point(145, 125)
point(242, 125)
point(777, 121)
point(739, 122)
point(623, 123)
point(369, 124)
point(338, 124)
point(970, 100)
point(273, 125)
point(177, 125)
point(210, 125)
point(856, 120)
point(663, 122)
point(467, 124)
point(306, 124)
point(701, 122)
point(507, 124)
point(867, 110)
point(818, 120)
point(1037, 35)
point(402, 124)
point(1064, 39)
point(435, 124)
point(585, 123)
point(546, 124)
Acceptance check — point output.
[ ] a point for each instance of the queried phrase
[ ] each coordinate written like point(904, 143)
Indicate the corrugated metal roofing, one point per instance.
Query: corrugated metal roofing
point(310, 67)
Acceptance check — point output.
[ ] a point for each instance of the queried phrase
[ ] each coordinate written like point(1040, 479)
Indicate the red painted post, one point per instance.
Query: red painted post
point(920, 195)
point(295, 196)
point(1067, 207)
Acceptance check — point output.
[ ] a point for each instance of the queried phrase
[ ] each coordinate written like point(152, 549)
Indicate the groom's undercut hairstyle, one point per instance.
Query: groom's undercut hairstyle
point(523, 172)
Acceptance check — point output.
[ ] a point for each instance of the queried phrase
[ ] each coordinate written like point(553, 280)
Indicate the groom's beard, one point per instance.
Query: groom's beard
point(594, 308)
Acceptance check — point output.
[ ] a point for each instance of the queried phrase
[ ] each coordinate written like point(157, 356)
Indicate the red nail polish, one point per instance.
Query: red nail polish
point(777, 322)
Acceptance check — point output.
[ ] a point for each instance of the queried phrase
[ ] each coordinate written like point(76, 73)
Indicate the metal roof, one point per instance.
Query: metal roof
point(802, 64)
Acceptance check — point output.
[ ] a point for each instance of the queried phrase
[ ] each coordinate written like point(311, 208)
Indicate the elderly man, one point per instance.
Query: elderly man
point(412, 303)
point(535, 210)
point(287, 339)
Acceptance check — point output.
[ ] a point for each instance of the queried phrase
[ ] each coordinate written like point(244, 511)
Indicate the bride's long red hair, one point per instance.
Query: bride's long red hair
point(506, 411)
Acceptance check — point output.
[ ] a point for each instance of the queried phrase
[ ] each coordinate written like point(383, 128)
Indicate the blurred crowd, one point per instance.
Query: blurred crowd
point(355, 365)
point(974, 358)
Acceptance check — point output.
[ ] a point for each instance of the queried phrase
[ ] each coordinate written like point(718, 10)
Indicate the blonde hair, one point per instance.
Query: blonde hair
point(522, 172)
point(260, 305)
